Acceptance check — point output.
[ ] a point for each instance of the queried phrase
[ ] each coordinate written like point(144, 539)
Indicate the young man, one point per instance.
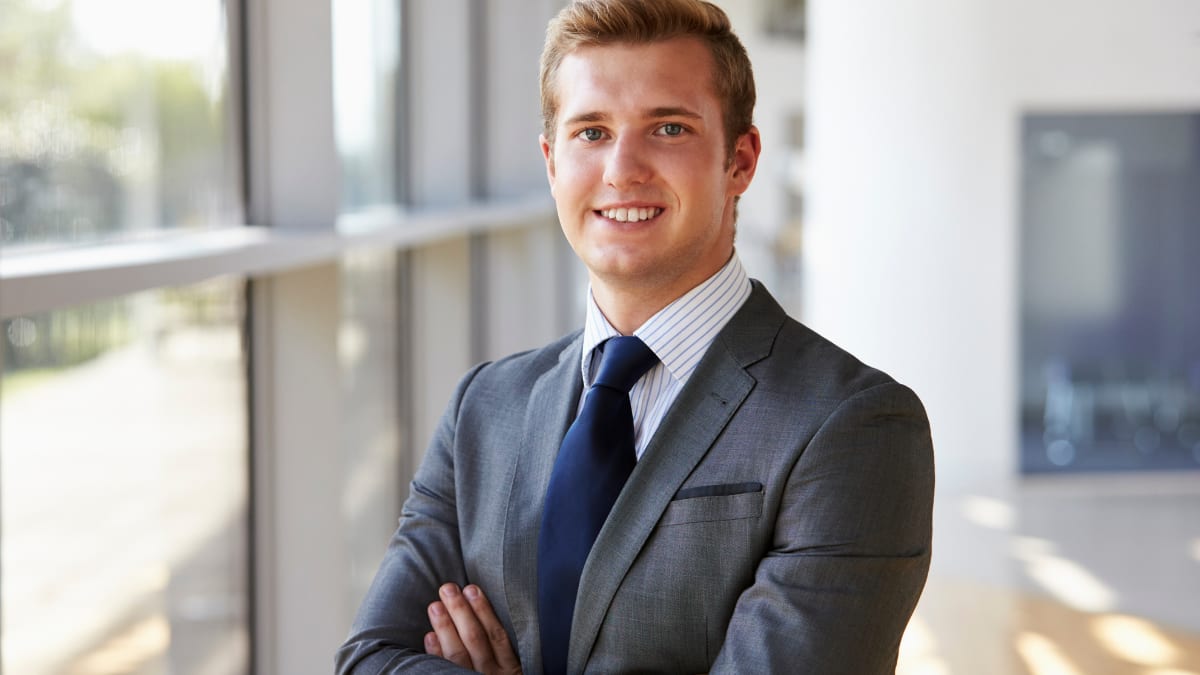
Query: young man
point(770, 512)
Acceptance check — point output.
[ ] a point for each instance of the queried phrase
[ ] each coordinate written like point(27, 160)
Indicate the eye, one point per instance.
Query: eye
point(591, 134)
point(671, 129)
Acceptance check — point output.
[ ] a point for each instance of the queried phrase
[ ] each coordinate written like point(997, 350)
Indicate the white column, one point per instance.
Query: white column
point(440, 331)
point(909, 255)
point(302, 565)
point(910, 247)
point(438, 102)
point(301, 561)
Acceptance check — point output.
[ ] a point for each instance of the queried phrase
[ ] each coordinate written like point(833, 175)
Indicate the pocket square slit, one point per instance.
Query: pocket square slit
point(722, 490)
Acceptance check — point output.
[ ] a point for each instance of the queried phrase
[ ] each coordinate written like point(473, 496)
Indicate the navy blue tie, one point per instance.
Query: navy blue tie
point(594, 461)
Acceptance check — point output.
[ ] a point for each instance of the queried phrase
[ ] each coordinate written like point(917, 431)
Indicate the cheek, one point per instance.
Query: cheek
point(575, 169)
point(572, 189)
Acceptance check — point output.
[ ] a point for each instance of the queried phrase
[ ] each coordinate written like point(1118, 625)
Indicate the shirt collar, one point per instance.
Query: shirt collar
point(681, 332)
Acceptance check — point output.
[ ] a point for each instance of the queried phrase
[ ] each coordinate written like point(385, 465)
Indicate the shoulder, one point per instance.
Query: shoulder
point(802, 353)
point(792, 360)
point(837, 382)
point(520, 371)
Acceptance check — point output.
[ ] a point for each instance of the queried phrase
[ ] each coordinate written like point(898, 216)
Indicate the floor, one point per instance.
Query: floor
point(1072, 575)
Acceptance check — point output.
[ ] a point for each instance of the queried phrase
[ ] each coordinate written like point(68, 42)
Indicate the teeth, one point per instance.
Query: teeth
point(631, 215)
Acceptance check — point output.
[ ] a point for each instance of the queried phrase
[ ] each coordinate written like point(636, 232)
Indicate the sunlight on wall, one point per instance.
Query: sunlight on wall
point(989, 512)
point(135, 647)
point(918, 651)
point(1067, 581)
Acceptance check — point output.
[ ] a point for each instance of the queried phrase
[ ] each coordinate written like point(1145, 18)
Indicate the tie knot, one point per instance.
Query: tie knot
point(623, 360)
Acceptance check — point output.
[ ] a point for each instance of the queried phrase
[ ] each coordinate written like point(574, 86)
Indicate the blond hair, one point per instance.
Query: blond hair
point(601, 22)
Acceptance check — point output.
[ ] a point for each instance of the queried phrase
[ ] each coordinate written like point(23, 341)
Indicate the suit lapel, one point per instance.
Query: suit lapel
point(712, 395)
point(552, 404)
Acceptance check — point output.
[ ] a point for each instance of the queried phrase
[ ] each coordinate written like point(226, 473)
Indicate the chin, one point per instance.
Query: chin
point(639, 272)
point(620, 260)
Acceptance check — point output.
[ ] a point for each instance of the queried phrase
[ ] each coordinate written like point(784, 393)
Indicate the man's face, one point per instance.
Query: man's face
point(638, 165)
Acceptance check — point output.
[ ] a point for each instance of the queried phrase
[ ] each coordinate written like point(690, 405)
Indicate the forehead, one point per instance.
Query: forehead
point(622, 76)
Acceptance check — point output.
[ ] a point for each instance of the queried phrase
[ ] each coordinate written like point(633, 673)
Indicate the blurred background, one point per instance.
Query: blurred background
point(247, 247)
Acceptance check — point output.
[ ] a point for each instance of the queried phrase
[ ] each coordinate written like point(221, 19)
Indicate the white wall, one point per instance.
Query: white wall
point(1101, 54)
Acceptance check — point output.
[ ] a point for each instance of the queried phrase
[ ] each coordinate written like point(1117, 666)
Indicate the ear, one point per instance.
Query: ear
point(548, 155)
point(745, 161)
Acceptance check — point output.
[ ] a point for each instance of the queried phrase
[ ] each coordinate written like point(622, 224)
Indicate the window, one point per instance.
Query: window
point(1110, 335)
point(123, 486)
point(115, 120)
point(366, 61)
point(124, 462)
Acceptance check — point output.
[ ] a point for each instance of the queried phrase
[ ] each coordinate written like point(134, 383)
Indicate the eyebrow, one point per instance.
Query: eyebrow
point(653, 113)
point(675, 112)
point(586, 117)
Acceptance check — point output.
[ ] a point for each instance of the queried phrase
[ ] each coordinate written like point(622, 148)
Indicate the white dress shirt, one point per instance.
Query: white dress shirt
point(678, 334)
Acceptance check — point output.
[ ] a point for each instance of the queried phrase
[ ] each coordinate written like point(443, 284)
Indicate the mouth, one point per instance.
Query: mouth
point(629, 214)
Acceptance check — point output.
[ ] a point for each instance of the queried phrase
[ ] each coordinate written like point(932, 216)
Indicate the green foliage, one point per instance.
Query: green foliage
point(99, 129)
point(83, 136)
point(67, 337)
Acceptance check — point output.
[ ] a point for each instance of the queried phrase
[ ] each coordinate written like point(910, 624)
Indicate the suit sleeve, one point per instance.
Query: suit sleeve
point(851, 550)
point(424, 553)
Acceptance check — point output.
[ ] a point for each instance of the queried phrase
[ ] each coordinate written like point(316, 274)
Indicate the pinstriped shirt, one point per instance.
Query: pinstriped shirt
point(678, 334)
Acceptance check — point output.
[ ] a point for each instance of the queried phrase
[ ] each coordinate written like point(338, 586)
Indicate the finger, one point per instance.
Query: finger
point(447, 636)
point(470, 630)
point(432, 646)
point(502, 649)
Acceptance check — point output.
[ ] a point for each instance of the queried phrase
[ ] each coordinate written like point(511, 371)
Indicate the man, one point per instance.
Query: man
point(773, 513)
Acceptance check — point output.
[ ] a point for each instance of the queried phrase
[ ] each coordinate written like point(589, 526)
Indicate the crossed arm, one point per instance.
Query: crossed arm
point(467, 633)
point(850, 621)
point(834, 593)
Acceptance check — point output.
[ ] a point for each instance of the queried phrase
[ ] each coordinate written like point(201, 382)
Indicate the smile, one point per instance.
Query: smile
point(625, 215)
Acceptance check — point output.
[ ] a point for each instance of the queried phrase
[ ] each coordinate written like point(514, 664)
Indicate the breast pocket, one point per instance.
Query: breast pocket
point(710, 503)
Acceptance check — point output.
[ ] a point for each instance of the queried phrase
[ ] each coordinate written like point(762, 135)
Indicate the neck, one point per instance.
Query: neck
point(628, 305)
point(627, 310)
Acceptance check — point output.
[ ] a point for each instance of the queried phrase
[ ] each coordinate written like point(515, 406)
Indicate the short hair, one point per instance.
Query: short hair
point(602, 22)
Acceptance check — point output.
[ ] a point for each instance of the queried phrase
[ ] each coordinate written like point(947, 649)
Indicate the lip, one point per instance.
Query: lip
point(628, 205)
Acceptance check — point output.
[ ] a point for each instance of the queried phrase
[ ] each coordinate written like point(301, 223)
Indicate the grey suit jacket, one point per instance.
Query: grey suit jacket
point(778, 522)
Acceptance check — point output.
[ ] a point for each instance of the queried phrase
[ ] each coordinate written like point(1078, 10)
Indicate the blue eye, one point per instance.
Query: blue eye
point(672, 129)
point(591, 134)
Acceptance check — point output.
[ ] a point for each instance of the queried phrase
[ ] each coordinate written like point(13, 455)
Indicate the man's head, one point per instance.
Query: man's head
point(601, 22)
point(644, 159)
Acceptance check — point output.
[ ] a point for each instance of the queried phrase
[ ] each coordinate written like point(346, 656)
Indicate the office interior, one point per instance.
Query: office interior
point(247, 247)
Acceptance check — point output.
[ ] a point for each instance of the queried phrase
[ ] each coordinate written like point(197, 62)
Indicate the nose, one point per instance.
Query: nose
point(627, 163)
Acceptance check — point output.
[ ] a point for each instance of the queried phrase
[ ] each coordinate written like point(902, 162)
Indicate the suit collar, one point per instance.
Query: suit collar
point(553, 401)
point(751, 333)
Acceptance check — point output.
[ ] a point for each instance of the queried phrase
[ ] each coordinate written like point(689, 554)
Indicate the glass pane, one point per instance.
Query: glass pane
point(366, 57)
point(375, 476)
point(123, 486)
point(1110, 333)
point(115, 119)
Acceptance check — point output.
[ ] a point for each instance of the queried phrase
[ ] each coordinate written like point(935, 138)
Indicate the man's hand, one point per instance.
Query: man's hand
point(467, 633)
